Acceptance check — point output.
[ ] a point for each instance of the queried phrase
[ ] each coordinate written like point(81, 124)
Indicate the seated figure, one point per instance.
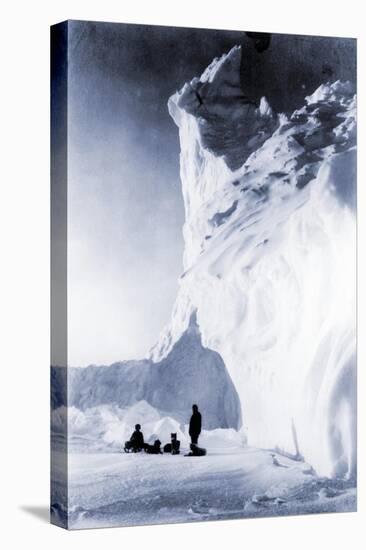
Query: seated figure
point(136, 441)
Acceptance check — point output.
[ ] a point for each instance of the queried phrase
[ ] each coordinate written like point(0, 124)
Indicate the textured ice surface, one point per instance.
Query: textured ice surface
point(229, 123)
point(269, 258)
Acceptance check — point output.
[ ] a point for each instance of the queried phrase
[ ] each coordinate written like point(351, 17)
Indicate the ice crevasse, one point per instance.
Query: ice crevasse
point(269, 258)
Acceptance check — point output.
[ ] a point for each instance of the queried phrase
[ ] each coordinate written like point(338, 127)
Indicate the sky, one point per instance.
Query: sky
point(125, 207)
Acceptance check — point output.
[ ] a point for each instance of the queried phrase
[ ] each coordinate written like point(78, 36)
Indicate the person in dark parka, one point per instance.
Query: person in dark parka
point(136, 442)
point(195, 425)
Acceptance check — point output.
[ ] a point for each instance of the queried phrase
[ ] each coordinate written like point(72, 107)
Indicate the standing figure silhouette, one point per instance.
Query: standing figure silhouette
point(195, 425)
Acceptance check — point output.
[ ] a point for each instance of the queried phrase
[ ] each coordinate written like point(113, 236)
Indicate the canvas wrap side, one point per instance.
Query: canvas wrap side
point(59, 450)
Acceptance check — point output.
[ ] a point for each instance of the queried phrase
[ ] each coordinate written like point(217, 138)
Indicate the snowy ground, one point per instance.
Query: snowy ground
point(107, 487)
point(113, 488)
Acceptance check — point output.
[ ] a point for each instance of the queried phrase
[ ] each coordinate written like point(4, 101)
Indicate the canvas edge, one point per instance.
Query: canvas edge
point(58, 383)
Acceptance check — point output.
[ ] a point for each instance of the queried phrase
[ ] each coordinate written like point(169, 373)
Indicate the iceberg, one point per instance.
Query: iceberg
point(189, 373)
point(269, 258)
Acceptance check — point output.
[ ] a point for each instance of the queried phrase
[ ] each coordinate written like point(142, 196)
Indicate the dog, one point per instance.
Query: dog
point(153, 449)
point(174, 446)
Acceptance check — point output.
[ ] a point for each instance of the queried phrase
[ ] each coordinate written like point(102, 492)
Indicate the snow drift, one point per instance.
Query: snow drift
point(269, 258)
point(105, 428)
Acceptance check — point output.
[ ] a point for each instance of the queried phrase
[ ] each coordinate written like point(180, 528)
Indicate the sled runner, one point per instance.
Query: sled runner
point(129, 447)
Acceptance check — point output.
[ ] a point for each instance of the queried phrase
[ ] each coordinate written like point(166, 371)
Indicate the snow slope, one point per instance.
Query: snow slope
point(269, 258)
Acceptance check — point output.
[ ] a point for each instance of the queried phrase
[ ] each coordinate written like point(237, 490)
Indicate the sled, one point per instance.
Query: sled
point(129, 448)
point(196, 451)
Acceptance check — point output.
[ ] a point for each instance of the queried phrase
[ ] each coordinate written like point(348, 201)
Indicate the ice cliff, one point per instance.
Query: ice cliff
point(269, 260)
